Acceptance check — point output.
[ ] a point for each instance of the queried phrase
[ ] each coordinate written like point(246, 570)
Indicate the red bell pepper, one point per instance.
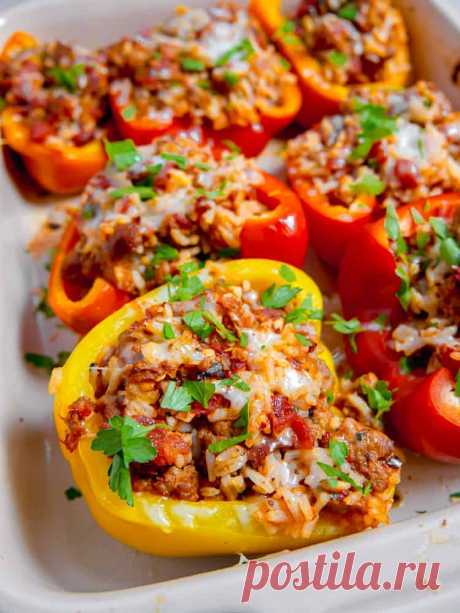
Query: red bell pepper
point(332, 226)
point(425, 416)
point(280, 233)
point(321, 97)
point(250, 139)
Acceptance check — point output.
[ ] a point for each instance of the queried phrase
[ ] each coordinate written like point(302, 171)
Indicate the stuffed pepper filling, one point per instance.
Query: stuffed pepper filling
point(158, 207)
point(351, 41)
point(59, 91)
point(229, 388)
point(212, 64)
point(428, 336)
point(396, 148)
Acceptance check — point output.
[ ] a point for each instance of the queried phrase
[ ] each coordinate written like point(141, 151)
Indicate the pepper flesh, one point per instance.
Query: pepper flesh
point(251, 140)
point(84, 313)
point(332, 226)
point(321, 97)
point(156, 524)
point(279, 233)
point(422, 416)
point(58, 168)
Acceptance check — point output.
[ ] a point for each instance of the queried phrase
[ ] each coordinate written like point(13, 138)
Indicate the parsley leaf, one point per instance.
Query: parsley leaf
point(349, 11)
point(179, 160)
point(303, 340)
point(176, 398)
point(129, 112)
point(457, 384)
point(71, 493)
point(375, 125)
point(196, 322)
point(278, 296)
point(336, 474)
point(182, 288)
point(125, 441)
point(231, 78)
point(144, 192)
point(244, 339)
point(221, 330)
point(43, 306)
point(404, 292)
point(235, 381)
point(243, 419)
point(46, 362)
point(369, 184)
point(379, 397)
point(164, 253)
point(338, 451)
point(304, 313)
point(222, 445)
point(67, 77)
point(393, 230)
point(168, 331)
point(244, 49)
point(349, 327)
point(201, 391)
point(190, 64)
point(229, 252)
point(337, 58)
point(287, 273)
point(123, 153)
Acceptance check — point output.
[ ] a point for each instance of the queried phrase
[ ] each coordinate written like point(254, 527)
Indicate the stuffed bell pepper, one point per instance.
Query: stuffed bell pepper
point(197, 420)
point(54, 99)
point(392, 148)
point(162, 207)
point(338, 49)
point(400, 284)
point(212, 67)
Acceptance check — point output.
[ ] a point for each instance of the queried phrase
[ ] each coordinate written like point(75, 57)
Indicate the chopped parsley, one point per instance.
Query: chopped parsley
point(197, 323)
point(375, 125)
point(229, 252)
point(213, 194)
point(123, 153)
point(221, 330)
point(71, 493)
point(224, 444)
point(89, 211)
point(287, 273)
point(379, 397)
point(393, 230)
point(164, 253)
point(231, 78)
point(278, 296)
point(369, 184)
point(349, 11)
point(457, 384)
point(176, 398)
point(244, 339)
point(404, 292)
point(233, 147)
point(190, 64)
point(200, 391)
point(43, 306)
point(179, 160)
point(129, 112)
point(338, 450)
point(449, 249)
point(125, 441)
point(46, 362)
point(67, 77)
point(286, 32)
point(454, 495)
point(144, 192)
point(304, 313)
point(337, 58)
point(243, 419)
point(235, 381)
point(168, 332)
point(303, 340)
point(184, 287)
point(244, 49)
point(348, 327)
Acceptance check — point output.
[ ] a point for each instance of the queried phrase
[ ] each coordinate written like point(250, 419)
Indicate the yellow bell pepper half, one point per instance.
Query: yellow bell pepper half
point(156, 524)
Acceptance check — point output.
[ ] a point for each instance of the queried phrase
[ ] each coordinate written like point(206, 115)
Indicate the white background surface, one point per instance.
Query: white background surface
point(52, 555)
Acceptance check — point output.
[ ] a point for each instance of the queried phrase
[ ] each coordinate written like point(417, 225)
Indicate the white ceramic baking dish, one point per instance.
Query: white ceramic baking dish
point(53, 557)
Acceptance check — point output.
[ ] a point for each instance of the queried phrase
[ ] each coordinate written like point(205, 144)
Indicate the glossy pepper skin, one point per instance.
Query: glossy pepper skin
point(58, 168)
point(321, 97)
point(251, 140)
point(332, 226)
point(279, 233)
point(156, 524)
point(421, 418)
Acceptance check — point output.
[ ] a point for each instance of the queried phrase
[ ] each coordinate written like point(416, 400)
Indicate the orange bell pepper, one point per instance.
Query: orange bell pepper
point(321, 97)
point(58, 168)
point(80, 314)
